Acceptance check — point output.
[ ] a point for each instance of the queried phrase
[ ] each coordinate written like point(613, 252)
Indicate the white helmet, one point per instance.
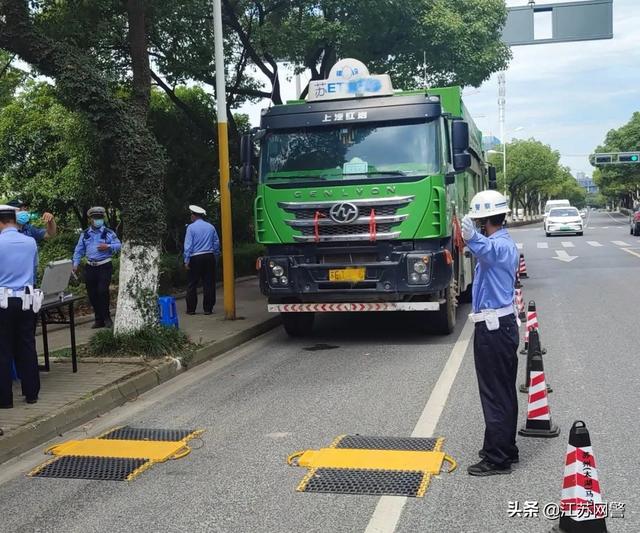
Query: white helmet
point(487, 204)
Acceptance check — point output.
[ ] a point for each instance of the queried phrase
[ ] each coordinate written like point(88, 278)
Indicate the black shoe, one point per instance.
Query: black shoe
point(485, 468)
point(191, 312)
point(97, 325)
point(32, 399)
point(513, 460)
point(208, 312)
point(6, 405)
point(108, 323)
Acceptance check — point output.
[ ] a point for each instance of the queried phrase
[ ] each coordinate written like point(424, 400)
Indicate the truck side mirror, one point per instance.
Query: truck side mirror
point(493, 180)
point(246, 148)
point(460, 142)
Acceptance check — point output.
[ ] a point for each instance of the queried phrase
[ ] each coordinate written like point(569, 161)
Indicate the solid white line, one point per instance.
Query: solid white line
point(631, 252)
point(387, 513)
point(594, 243)
point(568, 244)
point(519, 245)
point(620, 243)
point(616, 221)
point(543, 245)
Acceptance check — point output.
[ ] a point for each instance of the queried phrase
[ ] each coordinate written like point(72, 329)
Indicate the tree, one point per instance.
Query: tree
point(532, 169)
point(10, 78)
point(621, 182)
point(137, 161)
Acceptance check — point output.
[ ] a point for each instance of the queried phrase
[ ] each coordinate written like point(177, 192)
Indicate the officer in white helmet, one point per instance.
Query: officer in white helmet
point(496, 329)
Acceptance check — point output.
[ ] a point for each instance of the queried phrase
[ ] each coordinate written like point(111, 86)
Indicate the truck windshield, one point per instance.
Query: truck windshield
point(354, 152)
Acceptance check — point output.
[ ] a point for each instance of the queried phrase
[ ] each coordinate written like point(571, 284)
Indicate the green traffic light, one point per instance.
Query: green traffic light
point(634, 158)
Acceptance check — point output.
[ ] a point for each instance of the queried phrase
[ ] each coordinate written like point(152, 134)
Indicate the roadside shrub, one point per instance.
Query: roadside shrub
point(153, 341)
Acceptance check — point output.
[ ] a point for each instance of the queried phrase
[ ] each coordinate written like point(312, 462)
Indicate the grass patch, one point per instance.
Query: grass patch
point(153, 341)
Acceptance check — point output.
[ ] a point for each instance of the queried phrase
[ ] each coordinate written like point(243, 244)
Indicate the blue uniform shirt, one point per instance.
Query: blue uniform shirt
point(495, 274)
point(31, 231)
point(201, 238)
point(19, 259)
point(89, 246)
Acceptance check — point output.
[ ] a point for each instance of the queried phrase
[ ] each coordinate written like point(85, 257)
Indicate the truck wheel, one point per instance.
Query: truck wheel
point(298, 324)
point(446, 316)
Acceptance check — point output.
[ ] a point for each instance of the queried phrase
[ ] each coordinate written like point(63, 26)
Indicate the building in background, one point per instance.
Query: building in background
point(586, 182)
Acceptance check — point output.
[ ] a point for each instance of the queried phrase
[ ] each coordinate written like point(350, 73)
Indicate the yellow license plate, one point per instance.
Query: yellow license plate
point(347, 274)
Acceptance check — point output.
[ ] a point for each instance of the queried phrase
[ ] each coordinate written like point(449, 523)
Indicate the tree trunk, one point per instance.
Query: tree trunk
point(137, 161)
point(140, 262)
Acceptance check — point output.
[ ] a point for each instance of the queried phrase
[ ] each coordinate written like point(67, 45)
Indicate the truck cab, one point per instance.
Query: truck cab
point(360, 193)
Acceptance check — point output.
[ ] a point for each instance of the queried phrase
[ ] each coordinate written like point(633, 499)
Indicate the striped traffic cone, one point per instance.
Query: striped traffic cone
point(533, 348)
point(539, 422)
point(523, 267)
point(518, 284)
point(581, 506)
point(531, 323)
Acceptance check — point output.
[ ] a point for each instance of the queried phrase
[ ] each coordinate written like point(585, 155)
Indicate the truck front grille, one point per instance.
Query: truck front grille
point(314, 221)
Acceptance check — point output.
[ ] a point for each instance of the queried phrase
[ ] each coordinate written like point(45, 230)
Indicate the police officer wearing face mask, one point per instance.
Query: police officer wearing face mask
point(98, 243)
point(17, 309)
point(23, 219)
point(496, 337)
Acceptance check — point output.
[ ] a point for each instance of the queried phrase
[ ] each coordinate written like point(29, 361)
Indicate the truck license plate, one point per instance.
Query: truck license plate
point(347, 274)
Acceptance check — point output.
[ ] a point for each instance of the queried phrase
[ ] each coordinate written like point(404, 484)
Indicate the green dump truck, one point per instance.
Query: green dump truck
point(360, 196)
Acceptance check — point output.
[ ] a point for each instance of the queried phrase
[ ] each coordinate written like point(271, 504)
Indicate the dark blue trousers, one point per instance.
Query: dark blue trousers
point(496, 360)
point(18, 342)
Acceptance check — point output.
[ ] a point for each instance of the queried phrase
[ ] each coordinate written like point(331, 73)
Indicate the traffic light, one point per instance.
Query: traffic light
point(602, 159)
point(629, 158)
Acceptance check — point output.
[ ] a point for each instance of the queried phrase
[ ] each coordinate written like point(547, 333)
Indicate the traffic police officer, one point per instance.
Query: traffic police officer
point(17, 318)
point(201, 248)
point(23, 217)
point(98, 243)
point(496, 336)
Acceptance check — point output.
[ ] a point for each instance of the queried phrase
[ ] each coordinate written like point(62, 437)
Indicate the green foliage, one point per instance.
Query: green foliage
point(621, 182)
point(10, 78)
point(152, 341)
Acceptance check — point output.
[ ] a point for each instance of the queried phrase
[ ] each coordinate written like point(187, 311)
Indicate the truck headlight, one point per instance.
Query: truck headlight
point(277, 271)
point(418, 269)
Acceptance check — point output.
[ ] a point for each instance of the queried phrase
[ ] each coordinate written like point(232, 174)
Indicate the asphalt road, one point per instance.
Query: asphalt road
point(375, 375)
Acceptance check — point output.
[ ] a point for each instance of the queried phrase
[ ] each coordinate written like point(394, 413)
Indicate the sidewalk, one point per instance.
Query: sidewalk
point(67, 399)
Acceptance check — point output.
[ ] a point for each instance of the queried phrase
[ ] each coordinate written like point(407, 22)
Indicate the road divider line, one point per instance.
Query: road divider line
point(387, 513)
point(543, 245)
point(568, 244)
point(631, 252)
point(620, 243)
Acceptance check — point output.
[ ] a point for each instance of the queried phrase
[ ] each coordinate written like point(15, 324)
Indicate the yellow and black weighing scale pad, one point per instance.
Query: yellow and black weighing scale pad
point(377, 466)
point(121, 454)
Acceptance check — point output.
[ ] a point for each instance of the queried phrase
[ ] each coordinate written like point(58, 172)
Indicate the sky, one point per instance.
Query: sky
point(567, 95)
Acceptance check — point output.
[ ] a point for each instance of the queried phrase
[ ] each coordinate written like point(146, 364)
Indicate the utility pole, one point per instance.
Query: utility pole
point(228, 280)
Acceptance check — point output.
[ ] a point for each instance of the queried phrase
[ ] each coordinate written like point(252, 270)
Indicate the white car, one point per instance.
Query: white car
point(563, 220)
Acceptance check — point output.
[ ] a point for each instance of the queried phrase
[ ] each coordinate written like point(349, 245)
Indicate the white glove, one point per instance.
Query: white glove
point(468, 228)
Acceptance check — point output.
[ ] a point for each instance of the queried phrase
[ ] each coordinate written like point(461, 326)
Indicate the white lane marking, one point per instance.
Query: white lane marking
point(543, 245)
point(563, 256)
point(631, 252)
point(620, 243)
point(520, 245)
point(604, 227)
point(594, 243)
point(387, 513)
point(616, 221)
point(568, 244)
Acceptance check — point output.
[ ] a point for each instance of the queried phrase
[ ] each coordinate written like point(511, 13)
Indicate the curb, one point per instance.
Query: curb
point(119, 393)
point(522, 223)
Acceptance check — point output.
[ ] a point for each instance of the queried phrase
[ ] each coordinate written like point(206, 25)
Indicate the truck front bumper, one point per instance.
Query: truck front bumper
point(387, 270)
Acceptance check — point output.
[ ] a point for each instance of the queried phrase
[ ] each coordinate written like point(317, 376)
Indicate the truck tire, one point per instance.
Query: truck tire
point(298, 324)
point(446, 317)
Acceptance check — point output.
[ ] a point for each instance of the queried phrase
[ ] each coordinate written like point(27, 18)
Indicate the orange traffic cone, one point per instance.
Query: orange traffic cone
point(523, 267)
point(533, 348)
point(581, 507)
point(539, 422)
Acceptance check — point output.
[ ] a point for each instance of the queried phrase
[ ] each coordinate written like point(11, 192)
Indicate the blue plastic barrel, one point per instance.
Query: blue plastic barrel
point(167, 311)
